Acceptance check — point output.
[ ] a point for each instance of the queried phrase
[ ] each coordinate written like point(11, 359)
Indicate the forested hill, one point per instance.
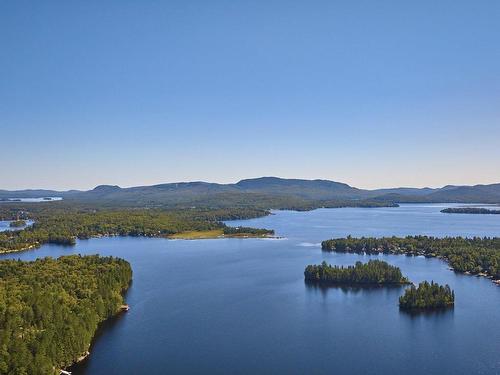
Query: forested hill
point(447, 194)
point(307, 189)
point(265, 192)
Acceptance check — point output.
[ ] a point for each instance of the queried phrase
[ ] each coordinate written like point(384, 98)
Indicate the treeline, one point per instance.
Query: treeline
point(474, 255)
point(470, 210)
point(309, 205)
point(427, 296)
point(64, 224)
point(248, 231)
point(265, 202)
point(373, 272)
point(50, 309)
point(365, 203)
point(222, 214)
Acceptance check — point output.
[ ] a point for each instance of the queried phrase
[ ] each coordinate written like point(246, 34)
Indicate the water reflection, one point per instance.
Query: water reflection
point(445, 313)
point(349, 289)
point(104, 328)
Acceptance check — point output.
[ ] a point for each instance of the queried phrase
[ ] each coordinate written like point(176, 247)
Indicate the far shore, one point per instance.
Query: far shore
point(188, 235)
point(214, 234)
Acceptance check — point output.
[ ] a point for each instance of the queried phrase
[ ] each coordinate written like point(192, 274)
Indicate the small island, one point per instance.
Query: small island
point(17, 224)
point(470, 210)
point(427, 296)
point(375, 272)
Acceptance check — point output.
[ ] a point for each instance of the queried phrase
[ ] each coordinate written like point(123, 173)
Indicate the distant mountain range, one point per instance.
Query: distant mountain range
point(271, 192)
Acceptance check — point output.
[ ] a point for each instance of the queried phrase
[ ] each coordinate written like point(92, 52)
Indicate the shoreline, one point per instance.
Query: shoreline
point(214, 234)
point(123, 308)
point(191, 235)
point(480, 274)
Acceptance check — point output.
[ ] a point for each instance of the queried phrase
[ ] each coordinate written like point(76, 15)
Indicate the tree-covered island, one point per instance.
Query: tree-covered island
point(476, 255)
point(375, 272)
point(427, 296)
point(50, 309)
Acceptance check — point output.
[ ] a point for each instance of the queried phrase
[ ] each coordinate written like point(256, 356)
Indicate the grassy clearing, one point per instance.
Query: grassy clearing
point(214, 233)
point(198, 235)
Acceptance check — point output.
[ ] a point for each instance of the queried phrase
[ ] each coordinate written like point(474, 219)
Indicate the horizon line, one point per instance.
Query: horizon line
point(235, 182)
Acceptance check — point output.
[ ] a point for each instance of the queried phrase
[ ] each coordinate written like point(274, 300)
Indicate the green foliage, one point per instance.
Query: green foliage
point(50, 309)
point(427, 296)
point(62, 224)
point(474, 255)
point(373, 272)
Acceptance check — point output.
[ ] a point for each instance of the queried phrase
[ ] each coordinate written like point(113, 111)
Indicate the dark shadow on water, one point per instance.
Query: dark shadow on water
point(444, 312)
point(103, 328)
point(349, 289)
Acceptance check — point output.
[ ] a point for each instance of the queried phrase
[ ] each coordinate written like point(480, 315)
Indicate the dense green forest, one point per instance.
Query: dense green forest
point(374, 272)
point(470, 210)
point(63, 224)
point(473, 255)
point(50, 309)
point(427, 296)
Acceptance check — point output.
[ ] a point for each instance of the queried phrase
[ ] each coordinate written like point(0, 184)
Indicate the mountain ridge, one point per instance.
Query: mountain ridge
point(300, 190)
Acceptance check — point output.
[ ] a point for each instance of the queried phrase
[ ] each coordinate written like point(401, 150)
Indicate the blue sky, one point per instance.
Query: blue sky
point(371, 93)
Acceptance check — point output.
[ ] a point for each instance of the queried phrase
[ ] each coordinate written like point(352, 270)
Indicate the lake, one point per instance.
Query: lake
point(5, 225)
point(240, 306)
point(30, 200)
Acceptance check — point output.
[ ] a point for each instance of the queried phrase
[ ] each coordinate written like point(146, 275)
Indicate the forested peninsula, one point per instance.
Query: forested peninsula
point(50, 309)
point(477, 255)
point(63, 224)
point(427, 296)
point(375, 272)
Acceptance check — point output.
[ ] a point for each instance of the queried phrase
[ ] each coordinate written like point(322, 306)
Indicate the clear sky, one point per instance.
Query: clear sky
point(371, 93)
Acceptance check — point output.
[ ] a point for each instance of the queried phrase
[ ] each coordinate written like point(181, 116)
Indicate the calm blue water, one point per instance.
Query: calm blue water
point(237, 306)
point(5, 225)
point(31, 200)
